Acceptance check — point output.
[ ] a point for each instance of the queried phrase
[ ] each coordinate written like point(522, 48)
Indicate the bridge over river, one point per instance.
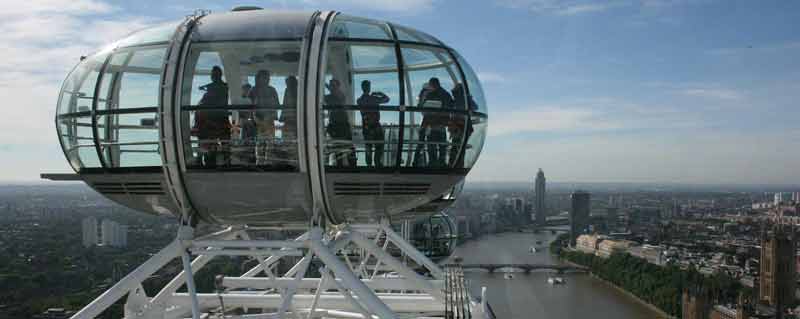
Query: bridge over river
point(521, 267)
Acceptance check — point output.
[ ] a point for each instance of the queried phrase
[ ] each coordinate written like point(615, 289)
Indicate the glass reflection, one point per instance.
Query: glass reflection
point(73, 115)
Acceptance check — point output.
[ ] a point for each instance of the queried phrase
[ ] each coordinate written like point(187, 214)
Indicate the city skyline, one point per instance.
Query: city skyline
point(634, 91)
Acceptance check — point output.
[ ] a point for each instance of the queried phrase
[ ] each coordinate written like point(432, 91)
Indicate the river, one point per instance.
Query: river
point(529, 296)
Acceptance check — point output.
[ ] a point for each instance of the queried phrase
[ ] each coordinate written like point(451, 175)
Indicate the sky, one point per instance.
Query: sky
point(699, 92)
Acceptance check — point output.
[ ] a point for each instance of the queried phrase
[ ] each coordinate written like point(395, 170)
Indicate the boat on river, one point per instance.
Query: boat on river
point(556, 281)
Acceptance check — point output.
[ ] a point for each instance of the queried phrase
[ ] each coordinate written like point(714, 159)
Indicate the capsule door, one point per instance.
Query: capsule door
point(387, 149)
point(239, 124)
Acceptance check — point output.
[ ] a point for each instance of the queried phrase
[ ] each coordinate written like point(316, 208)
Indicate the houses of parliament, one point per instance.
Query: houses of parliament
point(775, 289)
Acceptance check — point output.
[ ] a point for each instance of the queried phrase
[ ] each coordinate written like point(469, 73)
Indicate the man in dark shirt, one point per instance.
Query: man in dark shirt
point(339, 125)
point(213, 127)
point(371, 123)
point(436, 122)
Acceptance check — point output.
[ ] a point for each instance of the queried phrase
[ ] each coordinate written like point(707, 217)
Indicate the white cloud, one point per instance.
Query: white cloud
point(492, 77)
point(691, 156)
point(594, 115)
point(563, 8)
point(544, 119)
point(46, 40)
point(37, 7)
point(395, 6)
point(756, 49)
point(705, 90)
point(583, 8)
point(718, 93)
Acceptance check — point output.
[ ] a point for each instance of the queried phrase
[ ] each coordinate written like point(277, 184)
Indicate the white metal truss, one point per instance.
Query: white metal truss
point(359, 278)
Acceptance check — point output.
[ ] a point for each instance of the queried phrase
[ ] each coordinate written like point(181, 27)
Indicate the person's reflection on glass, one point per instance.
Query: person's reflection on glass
point(373, 132)
point(211, 119)
point(265, 100)
point(435, 122)
point(339, 127)
point(289, 119)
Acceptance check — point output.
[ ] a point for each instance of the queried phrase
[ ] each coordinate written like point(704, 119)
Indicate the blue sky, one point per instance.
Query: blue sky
point(624, 91)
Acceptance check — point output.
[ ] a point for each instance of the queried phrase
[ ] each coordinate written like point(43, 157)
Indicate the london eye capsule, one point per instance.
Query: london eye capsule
point(267, 117)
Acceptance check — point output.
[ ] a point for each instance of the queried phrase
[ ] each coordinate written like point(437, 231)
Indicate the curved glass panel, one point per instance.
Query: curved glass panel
point(408, 34)
point(434, 134)
point(351, 27)
point(239, 105)
point(74, 113)
point(254, 25)
point(360, 105)
point(434, 236)
point(135, 76)
point(156, 34)
point(476, 133)
point(127, 126)
point(477, 101)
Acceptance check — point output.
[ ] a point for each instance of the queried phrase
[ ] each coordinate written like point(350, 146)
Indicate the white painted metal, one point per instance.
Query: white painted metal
point(406, 272)
point(130, 282)
point(413, 253)
point(189, 274)
point(247, 244)
point(340, 293)
point(397, 303)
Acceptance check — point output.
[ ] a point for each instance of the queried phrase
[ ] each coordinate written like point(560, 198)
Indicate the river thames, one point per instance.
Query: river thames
point(529, 296)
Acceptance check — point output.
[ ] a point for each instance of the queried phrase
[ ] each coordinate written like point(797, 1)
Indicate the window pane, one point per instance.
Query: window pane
point(76, 96)
point(159, 33)
point(193, 81)
point(351, 27)
point(240, 105)
point(77, 138)
point(129, 140)
point(371, 142)
point(422, 66)
point(132, 79)
point(361, 83)
point(406, 34)
point(476, 134)
point(432, 139)
point(78, 90)
point(477, 102)
point(138, 90)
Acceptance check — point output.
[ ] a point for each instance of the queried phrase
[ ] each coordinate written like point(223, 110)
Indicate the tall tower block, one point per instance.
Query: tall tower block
point(539, 188)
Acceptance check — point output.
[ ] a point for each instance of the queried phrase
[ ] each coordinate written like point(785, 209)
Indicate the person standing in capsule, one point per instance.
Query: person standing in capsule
point(369, 103)
point(213, 127)
point(435, 122)
point(265, 100)
point(289, 119)
point(339, 127)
